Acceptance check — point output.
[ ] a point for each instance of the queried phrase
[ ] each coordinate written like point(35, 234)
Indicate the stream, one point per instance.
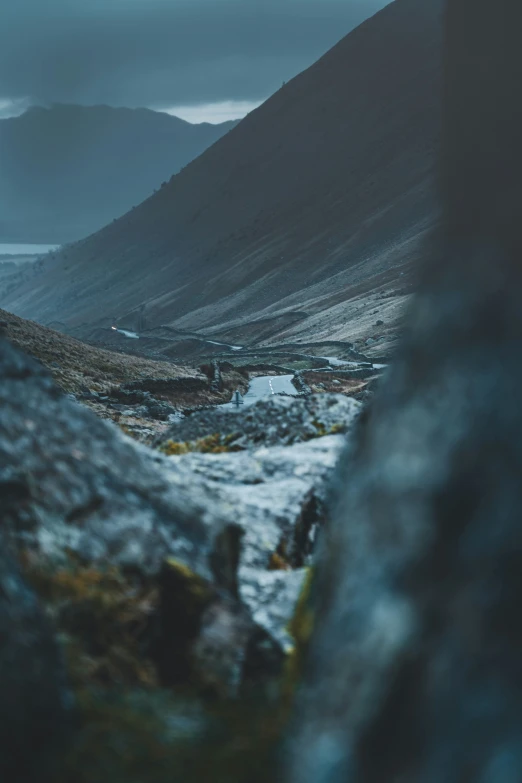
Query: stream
point(225, 345)
point(126, 333)
point(136, 336)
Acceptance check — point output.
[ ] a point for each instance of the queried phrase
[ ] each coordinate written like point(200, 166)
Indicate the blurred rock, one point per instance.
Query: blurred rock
point(276, 421)
point(275, 495)
point(36, 708)
point(272, 597)
point(414, 674)
point(177, 545)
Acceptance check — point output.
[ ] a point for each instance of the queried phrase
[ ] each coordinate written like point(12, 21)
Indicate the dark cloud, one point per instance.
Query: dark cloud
point(164, 52)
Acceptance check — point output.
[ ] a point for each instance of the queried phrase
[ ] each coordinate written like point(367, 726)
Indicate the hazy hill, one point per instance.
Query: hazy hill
point(304, 221)
point(66, 171)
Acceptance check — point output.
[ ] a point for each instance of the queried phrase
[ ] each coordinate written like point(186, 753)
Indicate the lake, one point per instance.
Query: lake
point(25, 250)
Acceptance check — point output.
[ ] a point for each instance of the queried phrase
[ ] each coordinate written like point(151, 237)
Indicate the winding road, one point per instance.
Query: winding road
point(265, 386)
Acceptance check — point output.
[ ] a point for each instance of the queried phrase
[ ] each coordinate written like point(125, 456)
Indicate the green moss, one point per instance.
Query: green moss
point(135, 726)
point(103, 618)
point(173, 449)
point(279, 560)
point(125, 739)
point(322, 430)
point(211, 444)
point(191, 584)
point(278, 563)
point(128, 431)
point(320, 427)
point(136, 737)
point(302, 624)
point(300, 628)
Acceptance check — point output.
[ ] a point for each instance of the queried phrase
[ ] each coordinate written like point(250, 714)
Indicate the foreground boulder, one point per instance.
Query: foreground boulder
point(415, 672)
point(278, 497)
point(164, 573)
point(36, 707)
point(71, 483)
point(276, 421)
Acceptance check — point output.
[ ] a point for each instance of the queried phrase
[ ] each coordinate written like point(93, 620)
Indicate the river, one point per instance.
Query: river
point(126, 333)
point(225, 345)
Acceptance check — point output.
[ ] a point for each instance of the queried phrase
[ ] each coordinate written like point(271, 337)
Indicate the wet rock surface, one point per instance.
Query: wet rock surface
point(135, 403)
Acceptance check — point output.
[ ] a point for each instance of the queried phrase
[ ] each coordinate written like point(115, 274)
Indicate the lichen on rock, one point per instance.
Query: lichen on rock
point(169, 581)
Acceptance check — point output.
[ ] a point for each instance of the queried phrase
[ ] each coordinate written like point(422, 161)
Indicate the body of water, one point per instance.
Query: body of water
point(131, 335)
point(25, 250)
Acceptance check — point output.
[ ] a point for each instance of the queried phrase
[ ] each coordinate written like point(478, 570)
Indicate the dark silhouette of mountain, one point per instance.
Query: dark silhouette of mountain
point(306, 219)
point(66, 171)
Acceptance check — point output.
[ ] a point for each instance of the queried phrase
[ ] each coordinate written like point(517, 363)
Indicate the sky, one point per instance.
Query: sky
point(204, 60)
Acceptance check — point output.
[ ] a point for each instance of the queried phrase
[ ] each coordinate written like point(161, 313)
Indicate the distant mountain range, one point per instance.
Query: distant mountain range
point(307, 220)
point(66, 171)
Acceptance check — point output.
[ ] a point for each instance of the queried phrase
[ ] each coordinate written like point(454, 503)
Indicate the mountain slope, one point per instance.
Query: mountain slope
point(66, 171)
point(301, 218)
point(75, 365)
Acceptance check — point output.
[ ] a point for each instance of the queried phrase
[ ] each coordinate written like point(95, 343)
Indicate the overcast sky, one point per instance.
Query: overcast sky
point(202, 59)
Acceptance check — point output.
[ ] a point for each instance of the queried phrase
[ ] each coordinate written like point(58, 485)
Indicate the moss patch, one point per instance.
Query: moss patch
point(134, 727)
point(321, 430)
point(136, 737)
point(300, 628)
point(212, 444)
point(104, 619)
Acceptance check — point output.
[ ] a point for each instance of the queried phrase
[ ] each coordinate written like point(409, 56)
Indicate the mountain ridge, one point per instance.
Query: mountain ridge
point(315, 203)
point(67, 170)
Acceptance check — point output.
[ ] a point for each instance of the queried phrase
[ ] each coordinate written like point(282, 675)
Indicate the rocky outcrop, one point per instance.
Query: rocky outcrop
point(165, 385)
point(139, 404)
point(155, 571)
point(216, 384)
point(277, 497)
point(70, 482)
point(277, 420)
